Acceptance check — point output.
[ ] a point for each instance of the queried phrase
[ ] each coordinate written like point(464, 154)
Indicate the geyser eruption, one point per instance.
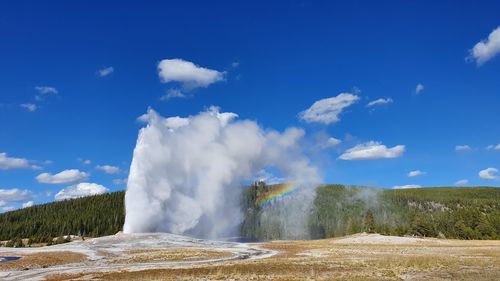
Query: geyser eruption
point(186, 174)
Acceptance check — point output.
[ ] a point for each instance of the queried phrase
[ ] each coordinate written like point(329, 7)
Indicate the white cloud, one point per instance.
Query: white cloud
point(486, 49)
point(80, 190)
point(44, 90)
point(380, 101)
point(173, 93)
point(372, 150)
point(86, 162)
point(327, 110)
point(105, 71)
point(416, 173)
point(188, 74)
point(408, 186)
point(488, 174)
point(29, 106)
point(3, 203)
point(27, 204)
point(462, 147)
point(462, 182)
point(7, 162)
point(15, 195)
point(65, 176)
point(108, 169)
point(235, 64)
point(419, 88)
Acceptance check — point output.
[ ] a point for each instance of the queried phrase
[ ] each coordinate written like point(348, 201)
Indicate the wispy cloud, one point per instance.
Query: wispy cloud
point(486, 49)
point(327, 110)
point(372, 150)
point(108, 169)
point(462, 147)
point(45, 90)
point(408, 186)
point(416, 173)
point(173, 93)
point(462, 182)
point(419, 88)
point(380, 101)
point(29, 106)
point(105, 71)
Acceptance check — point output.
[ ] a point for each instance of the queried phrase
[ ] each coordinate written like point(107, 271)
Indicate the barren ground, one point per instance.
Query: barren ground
point(172, 257)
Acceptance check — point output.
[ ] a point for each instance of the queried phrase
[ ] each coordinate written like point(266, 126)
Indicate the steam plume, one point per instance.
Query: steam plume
point(186, 174)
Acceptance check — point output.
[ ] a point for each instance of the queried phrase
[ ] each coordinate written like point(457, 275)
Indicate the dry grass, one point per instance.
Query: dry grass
point(39, 260)
point(171, 254)
point(329, 260)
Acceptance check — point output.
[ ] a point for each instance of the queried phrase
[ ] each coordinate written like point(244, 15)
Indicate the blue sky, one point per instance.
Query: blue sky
point(276, 60)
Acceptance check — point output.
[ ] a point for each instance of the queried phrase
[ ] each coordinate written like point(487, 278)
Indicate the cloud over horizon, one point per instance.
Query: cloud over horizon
point(80, 190)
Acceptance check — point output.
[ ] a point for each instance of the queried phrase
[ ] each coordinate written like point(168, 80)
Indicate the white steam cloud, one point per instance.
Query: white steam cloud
point(186, 174)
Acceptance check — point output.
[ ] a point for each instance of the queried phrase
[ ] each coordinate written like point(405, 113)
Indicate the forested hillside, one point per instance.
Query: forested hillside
point(451, 212)
point(89, 216)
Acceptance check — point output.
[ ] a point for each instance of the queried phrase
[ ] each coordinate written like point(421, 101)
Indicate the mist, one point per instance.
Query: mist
point(187, 173)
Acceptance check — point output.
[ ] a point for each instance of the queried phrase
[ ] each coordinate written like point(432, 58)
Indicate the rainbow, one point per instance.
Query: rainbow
point(269, 198)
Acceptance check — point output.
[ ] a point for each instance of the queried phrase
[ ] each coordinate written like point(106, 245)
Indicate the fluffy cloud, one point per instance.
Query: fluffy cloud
point(8, 208)
point(486, 49)
point(462, 182)
point(80, 190)
point(15, 195)
point(65, 176)
point(488, 174)
point(379, 102)
point(27, 204)
point(188, 74)
point(406, 186)
point(462, 147)
point(29, 106)
point(105, 71)
point(7, 162)
point(419, 88)
point(44, 90)
point(108, 169)
point(416, 173)
point(372, 150)
point(327, 110)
